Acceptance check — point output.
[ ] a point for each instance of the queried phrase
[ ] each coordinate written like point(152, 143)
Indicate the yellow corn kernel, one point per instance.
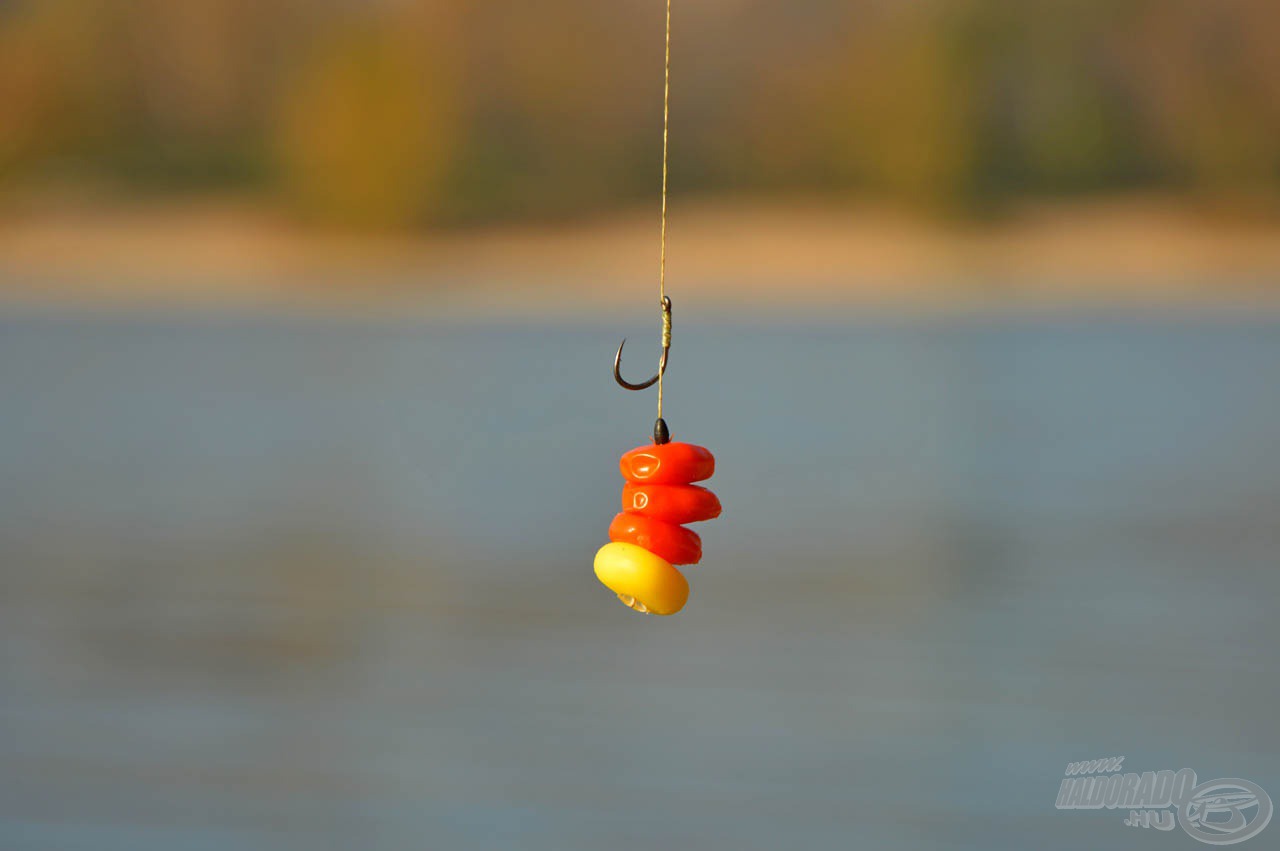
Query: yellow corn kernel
point(642, 580)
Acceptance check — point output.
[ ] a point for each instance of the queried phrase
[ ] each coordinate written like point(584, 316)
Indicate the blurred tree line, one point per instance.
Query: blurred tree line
point(398, 113)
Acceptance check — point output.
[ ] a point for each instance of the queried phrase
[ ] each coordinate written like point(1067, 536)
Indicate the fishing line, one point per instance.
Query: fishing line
point(663, 301)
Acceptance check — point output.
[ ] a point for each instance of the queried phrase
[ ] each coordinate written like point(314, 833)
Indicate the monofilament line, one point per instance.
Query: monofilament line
point(662, 267)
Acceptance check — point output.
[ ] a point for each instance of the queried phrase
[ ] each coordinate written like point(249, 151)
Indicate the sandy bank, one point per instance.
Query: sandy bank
point(747, 257)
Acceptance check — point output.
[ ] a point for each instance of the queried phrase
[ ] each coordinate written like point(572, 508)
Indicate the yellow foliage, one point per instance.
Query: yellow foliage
point(396, 113)
point(366, 128)
point(50, 88)
point(908, 116)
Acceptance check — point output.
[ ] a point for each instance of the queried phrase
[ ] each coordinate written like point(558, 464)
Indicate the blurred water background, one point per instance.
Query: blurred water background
point(308, 438)
point(273, 583)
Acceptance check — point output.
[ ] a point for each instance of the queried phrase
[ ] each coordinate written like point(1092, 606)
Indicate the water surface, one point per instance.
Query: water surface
point(318, 584)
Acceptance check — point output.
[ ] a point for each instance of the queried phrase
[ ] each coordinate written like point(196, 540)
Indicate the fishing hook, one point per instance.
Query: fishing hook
point(662, 362)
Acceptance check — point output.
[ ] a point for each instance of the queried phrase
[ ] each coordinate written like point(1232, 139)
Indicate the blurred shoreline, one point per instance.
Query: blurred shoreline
point(725, 256)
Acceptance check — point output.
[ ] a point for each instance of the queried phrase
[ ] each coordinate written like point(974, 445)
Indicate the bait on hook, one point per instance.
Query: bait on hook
point(648, 538)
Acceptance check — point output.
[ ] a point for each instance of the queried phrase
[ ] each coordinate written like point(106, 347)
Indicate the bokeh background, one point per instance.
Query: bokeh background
point(409, 113)
point(308, 438)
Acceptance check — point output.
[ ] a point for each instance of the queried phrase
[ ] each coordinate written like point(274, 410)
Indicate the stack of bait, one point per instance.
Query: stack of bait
point(647, 538)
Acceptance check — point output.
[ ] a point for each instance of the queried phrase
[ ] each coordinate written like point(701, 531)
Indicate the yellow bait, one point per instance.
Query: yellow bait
point(643, 581)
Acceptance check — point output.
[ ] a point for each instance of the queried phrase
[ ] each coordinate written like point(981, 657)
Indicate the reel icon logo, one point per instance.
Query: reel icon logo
point(1220, 812)
point(1224, 812)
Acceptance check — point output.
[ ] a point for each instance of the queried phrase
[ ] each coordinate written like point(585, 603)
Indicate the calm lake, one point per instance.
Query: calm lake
point(299, 584)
